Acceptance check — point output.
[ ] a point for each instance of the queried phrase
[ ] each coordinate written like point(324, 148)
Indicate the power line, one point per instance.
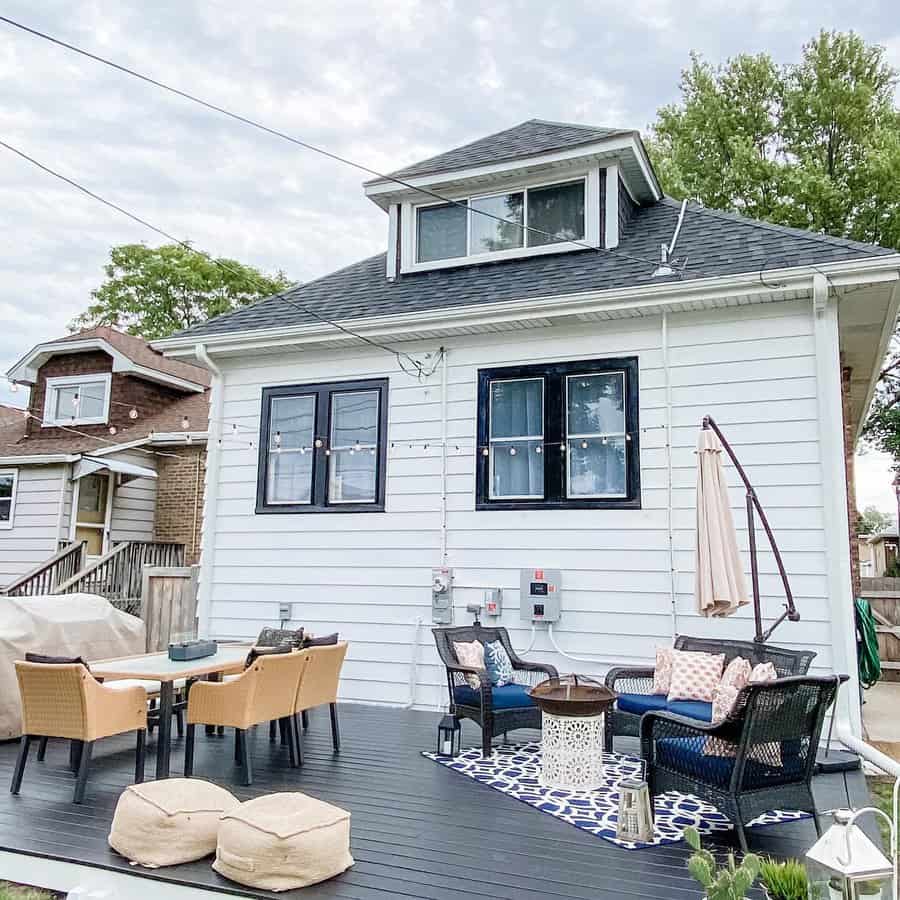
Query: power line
point(420, 370)
point(253, 123)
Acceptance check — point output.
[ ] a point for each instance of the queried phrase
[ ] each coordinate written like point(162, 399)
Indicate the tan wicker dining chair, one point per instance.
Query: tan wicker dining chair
point(318, 686)
point(264, 691)
point(66, 701)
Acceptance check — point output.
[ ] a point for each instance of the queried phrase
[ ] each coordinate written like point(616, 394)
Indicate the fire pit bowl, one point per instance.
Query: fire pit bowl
point(572, 695)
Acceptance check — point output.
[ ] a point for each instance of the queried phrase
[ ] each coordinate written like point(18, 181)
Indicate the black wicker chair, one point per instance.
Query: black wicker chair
point(479, 706)
point(639, 680)
point(759, 759)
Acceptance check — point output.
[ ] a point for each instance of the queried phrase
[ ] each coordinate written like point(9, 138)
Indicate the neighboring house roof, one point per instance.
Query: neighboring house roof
point(882, 536)
point(519, 142)
point(15, 443)
point(714, 244)
point(130, 354)
point(9, 414)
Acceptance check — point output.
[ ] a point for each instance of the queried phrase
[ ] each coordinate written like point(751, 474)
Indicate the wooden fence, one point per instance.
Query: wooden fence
point(169, 605)
point(884, 596)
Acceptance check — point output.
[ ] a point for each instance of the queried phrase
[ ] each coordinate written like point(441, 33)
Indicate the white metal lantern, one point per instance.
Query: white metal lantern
point(635, 822)
point(845, 865)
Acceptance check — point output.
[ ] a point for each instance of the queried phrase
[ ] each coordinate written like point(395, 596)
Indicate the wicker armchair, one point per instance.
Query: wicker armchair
point(516, 712)
point(264, 691)
point(318, 687)
point(66, 701)
point(759, 759)
point(632, 680)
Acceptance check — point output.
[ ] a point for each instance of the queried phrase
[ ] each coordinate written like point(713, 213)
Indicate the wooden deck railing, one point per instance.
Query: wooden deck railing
point(44, 578)
point(117, 574)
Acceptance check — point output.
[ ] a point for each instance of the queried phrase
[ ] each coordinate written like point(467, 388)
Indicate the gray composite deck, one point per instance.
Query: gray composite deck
point(418, 829)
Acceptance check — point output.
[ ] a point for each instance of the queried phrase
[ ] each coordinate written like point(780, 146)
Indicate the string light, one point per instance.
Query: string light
point(189, 440)
point(132, 413)
point(512, 451)
point(113, 429)
point(234, 429)
point(14, 387)
point(372, 451)
point(327, 451)
point(185, 423)
point(485, 452)
point(584, 445)
point(277, 440)
point(539, 449)
point(318, 442)
point(76, 401)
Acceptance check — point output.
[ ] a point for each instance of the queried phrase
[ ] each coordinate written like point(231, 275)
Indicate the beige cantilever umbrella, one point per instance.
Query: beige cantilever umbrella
point(720, 587)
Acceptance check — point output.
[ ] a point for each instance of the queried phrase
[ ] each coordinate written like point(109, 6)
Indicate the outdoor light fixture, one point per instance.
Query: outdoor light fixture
point(635, 820)
point(449, 735)
point(845, 865)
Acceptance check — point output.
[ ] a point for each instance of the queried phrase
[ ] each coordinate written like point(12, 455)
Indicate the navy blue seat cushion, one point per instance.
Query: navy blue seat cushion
point(693, 709)
point(642, 703)
point(509, 696)
point(686, 755)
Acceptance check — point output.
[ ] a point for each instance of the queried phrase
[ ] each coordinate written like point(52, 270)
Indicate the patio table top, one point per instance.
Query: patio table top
point(228, 658)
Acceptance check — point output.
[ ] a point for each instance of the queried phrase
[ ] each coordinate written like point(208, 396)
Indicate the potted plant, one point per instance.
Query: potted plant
point(784, 880)
point(731, 882)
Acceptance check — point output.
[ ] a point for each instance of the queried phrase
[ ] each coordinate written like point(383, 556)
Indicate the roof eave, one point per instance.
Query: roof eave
point(669, 295)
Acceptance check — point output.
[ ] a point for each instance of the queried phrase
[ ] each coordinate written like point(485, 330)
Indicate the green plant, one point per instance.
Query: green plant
point(784, 880)
point(731, 882)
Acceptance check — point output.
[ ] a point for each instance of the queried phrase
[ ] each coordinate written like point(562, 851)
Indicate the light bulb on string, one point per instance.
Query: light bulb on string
point(512, 451)
point(14, 387)
point(318, 442)
point(357, 446)
point(425, 448)
point(562, 448)
point(234, 429)
point(485, 452)
point(113, 429)
point(185, 423)
point(277, 440)
point(76, 401)
point(539, 449)
point(189, 440)
point(372, 451)
point(352, 451)
point(604, 440)
point(303, 451)
point(628, 438)
point(584, 445)
point(150, 434)
point(327, 451)
point(132, 413)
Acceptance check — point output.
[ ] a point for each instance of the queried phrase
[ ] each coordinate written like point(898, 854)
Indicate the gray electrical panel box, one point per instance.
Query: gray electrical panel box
point(442, 596)
point(539, 591)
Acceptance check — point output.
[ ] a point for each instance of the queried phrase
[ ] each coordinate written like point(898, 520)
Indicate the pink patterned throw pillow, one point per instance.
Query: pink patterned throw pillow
point(734, 679)
point(662, 674)
point(471, 655)
point(695, 676)
point(763, 673)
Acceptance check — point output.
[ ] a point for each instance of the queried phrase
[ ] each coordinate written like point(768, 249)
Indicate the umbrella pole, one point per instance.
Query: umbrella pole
point(790, 611)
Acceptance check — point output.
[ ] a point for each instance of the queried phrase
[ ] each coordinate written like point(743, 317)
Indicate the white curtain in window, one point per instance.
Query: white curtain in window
point(516, 436)
point(291, 436)
point(354, 447)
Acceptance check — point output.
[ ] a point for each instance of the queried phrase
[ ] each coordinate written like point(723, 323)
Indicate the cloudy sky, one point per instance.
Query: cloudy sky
point(384, 82)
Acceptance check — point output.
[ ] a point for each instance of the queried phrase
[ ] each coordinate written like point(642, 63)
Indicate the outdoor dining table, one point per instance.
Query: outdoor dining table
point(228, 659)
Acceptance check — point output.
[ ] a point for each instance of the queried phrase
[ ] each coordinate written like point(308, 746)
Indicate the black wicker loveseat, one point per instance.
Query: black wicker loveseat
point(496, 709)
point(760, 758)
point(634, 686)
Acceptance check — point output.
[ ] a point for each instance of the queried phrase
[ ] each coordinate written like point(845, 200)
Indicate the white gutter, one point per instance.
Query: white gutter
point(208, 531)
point(38, 460)
point(443, 457)
point(649, 299)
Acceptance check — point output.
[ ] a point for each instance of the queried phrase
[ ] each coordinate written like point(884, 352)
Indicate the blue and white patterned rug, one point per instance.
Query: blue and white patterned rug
point(514, 769)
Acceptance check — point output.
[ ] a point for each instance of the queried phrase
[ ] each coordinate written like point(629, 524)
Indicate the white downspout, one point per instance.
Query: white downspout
point(443, 456)
point(834, 490)
point(213, 475)
point(673, 573)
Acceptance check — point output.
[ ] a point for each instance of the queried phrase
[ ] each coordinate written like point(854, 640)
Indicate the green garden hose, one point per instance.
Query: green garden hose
point(867, 644)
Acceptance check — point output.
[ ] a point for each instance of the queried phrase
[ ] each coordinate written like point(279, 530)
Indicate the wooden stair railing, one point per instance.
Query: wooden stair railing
point(46, 577)
point(117, 574)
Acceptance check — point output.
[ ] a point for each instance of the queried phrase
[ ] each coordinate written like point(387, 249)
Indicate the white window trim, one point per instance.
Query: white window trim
point(532, 438)
point(7, 525)
point(600, 435)
point(409, 224)
point(52, 384)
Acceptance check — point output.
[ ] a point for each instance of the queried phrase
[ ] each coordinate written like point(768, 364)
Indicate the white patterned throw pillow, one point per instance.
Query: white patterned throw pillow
point(662, 673)
point(695, 676)
point(498, 664)
point(735, 677)
point(471, 655)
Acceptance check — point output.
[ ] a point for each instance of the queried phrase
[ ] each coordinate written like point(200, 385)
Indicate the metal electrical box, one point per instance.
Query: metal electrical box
point(493, 602)
point(442, 596)
point(539, 591)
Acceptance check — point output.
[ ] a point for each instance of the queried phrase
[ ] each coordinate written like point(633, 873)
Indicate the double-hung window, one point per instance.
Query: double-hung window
point(560, 435)
point(8, 479)
point(322, 448)
point(77, 400)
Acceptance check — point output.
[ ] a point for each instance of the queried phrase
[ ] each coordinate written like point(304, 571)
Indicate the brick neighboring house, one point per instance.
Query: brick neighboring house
point(111, 448)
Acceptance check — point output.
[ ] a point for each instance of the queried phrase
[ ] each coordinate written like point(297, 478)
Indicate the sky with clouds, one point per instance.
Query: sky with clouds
point(384, 82)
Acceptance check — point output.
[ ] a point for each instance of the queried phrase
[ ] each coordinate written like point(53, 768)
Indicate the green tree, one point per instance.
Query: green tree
point(813, 144)
point(155, 291)
point(873, 521)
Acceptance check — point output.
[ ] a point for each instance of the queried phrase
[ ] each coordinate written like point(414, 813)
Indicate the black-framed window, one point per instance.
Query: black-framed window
point(322, 448)
point(560, 435)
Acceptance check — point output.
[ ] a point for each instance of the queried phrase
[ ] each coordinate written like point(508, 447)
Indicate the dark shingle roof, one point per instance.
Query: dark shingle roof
point(527, 139)
point(715, 243)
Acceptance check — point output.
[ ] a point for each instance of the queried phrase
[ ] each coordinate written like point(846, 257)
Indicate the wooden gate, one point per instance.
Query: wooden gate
point(169, 605)
point(884, 596)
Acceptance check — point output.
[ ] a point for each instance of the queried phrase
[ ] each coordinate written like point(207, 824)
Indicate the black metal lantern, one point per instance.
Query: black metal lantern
point(449, 735)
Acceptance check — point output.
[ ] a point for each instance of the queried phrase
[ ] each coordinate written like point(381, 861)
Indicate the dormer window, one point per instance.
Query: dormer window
point(77, 400)
point(534, 217)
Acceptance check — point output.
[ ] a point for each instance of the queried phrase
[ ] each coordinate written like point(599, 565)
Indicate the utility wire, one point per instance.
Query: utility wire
point(253, 123)
point(421, 371)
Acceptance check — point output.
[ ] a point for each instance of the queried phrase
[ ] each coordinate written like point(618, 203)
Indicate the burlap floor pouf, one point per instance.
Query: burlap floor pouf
point(164, 823)
point(283, 841)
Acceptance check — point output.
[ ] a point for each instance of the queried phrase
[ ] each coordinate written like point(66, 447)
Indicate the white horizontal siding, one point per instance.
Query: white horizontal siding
point(34, 535)
point(368, 576)
point(134, 503)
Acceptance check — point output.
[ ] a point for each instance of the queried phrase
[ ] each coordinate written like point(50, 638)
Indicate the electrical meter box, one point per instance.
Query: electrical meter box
point(539, 594)
point(442, 596)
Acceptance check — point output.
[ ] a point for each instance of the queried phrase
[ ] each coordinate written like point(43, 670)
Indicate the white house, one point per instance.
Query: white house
point(517, 384)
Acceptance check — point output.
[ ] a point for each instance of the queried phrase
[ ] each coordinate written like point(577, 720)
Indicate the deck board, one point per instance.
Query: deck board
point(418, 830)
